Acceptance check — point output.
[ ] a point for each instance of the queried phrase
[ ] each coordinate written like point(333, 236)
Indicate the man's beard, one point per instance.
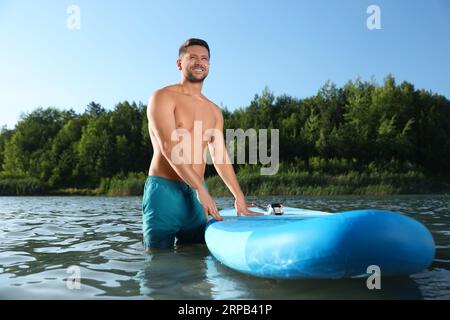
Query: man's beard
point(191, 78)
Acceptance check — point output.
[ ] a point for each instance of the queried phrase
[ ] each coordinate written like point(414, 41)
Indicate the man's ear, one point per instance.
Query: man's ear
point(179, 64)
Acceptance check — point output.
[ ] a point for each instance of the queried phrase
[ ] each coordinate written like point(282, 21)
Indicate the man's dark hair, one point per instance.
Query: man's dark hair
point(193, 42)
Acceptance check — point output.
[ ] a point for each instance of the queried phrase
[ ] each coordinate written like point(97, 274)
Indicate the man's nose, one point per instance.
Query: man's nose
point(199, 64)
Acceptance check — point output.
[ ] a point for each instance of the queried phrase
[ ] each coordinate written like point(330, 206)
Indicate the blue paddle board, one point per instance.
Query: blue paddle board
point(303, 243)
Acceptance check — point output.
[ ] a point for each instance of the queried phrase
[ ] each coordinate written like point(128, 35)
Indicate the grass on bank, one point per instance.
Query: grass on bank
point(322, 178)
point(13, 186)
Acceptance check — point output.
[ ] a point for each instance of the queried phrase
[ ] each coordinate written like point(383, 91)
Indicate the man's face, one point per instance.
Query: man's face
point(194, 63)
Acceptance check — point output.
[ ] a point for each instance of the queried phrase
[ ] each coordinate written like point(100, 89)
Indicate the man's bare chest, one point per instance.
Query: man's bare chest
point(188, 114)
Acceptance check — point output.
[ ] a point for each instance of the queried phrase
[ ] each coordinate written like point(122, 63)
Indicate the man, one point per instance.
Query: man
point(176, 202)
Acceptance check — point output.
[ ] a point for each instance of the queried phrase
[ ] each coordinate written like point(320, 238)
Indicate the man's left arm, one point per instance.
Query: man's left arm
point(222, 163)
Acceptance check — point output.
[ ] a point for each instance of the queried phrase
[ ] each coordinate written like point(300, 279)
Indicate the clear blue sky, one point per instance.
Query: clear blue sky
point(126, 49)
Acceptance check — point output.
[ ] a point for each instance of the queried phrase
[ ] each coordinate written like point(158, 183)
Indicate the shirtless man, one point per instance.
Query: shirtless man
point(176, 202)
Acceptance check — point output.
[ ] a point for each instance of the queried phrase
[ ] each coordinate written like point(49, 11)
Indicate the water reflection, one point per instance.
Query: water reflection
point(230, 284)
point(192, 273)
point(175, 274)
point(40, 237)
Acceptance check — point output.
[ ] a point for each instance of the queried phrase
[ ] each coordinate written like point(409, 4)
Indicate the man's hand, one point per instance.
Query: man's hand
point(241, 209)
point(208, 204)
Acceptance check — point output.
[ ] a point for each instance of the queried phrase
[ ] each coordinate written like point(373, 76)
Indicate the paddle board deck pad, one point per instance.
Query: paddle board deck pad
point(305, 243)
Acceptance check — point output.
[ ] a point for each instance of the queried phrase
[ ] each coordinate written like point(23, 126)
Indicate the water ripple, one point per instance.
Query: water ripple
point(42, 237)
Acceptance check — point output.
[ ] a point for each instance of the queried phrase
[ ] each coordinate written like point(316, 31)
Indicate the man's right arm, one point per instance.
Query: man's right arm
point(161, 122)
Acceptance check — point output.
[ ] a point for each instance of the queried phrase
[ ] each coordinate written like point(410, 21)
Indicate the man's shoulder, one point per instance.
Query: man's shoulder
point(217, 111)
point(164, 94)
point(213, 106)
point(165, 91)
point(161, 98)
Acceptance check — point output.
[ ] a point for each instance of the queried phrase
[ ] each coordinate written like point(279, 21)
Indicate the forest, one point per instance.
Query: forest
point(361, 138)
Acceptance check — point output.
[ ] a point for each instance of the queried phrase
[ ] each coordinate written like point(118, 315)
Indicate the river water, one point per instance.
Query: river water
point(46, 241)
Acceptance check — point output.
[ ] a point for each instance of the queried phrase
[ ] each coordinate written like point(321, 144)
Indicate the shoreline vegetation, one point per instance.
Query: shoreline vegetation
point(359, 139)
point(289, 183)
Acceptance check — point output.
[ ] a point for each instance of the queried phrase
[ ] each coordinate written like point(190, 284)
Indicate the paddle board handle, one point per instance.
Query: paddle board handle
point(273, 208)
point(276, 209)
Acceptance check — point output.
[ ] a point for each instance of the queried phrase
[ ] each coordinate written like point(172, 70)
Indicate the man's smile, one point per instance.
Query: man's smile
point(197, 69)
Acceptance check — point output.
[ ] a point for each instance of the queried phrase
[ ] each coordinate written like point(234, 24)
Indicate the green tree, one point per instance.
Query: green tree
point(28, 150)
point(64, 157)
point(95, 152)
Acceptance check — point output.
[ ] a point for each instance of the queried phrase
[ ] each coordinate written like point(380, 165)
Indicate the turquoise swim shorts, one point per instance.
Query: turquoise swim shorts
point(170, 210)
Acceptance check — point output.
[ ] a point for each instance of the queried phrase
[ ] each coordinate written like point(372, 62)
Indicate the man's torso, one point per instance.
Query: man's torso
point(193, 115)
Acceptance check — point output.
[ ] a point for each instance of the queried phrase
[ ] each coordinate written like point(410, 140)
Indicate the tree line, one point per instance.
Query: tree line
point(361, 123)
